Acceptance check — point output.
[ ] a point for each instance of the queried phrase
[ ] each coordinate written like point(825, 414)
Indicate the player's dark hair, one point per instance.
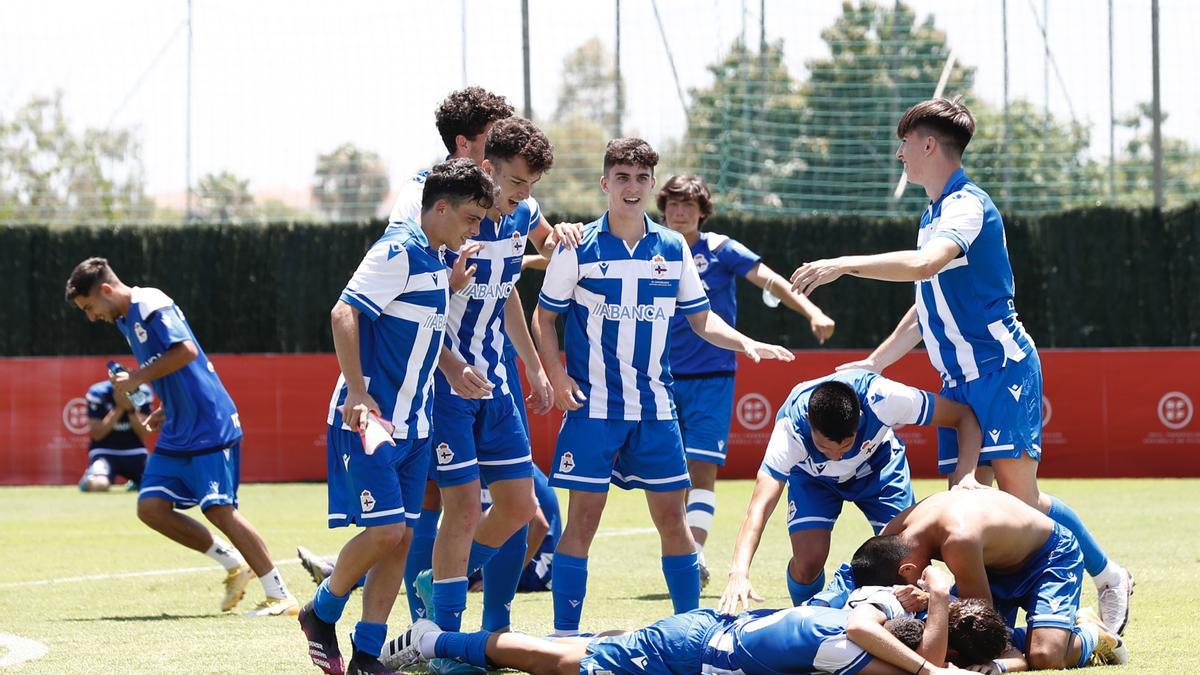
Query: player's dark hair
point(631, 151)
point(948, 121)
point(467, 111)
point(833, 410)
point(518, 137)
point(458, 180)
point(976, 632)
point(86, 275)
point(686, 188)
point(877, 561)
point(907, 630)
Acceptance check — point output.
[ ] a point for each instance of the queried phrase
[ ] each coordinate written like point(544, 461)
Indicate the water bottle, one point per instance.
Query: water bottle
point(138, 396)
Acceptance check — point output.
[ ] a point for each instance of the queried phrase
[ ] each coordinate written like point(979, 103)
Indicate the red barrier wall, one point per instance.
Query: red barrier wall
point(1108, 413)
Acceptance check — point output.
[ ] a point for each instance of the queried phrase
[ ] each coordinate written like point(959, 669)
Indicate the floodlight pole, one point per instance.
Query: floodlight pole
point(1156, 139)
point(187, 153)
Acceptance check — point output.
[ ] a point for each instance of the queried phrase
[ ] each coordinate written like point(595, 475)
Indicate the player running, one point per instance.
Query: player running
point(197, 459)
point(964, 312)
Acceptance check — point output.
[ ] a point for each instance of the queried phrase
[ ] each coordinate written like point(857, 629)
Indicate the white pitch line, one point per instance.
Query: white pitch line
point(20, 649)
point(122, 575)
point(625, 532)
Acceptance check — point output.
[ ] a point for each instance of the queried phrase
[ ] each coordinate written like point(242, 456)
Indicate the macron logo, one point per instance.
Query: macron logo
point(604, 268)
point(995, 434)
point(1015, 390)
point(640, 662)
point(394, 250)
point(574, 603)
point(614, 312)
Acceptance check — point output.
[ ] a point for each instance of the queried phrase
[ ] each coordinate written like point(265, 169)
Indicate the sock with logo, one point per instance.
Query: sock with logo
point(420, 558)
point(449, 601)
point(225, 554)
point(368, 637)
point(1094, 558)
point(466, 647)
point(327, 606)
point(273, 584)
point(682, 573)
point(701, 505)
point(501, 575)
point(801, 593)
point(568, 585)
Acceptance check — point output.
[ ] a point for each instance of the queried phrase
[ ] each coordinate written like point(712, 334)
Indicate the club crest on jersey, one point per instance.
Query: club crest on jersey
point(140, 333)
point(367, 500)
point(658, 267)
point(701, 262)
point(567, 463)
point(791, 509)
point(517, 244)
point(444, 454)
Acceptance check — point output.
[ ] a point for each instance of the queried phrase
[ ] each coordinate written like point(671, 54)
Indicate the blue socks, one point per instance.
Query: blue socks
point(801, 593)
point(682, 573)
point(501, 575)
point(368, 637)
point(480, 555)
point(328, 606)
point(467, 647)
point(420, 558)
point(449, 601)
point(568, 584)
point(1094, 558)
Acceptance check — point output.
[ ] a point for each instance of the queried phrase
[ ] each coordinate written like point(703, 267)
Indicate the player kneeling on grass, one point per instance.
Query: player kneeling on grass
point(388, 328)
point(876, 635)
point(118, 436)
point(833, 443)
point(197, 458)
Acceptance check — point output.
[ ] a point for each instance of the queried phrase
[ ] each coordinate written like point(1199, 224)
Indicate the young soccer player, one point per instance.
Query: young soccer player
point(1001, 550)
point(833, 443)
point(197, 458)
point(619, 289)
point(388, 329)
point(964, 312)
point(117, 437)
point(703, 372)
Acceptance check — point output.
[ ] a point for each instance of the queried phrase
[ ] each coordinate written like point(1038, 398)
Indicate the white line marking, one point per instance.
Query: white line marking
point(123, 575)
point(625, 532)
point(20, 649)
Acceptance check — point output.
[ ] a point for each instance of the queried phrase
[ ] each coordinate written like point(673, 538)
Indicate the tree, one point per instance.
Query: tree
point(588, 88)
point(51, 173)
point(1135, 164)
point(350, 184)
point(224, 198)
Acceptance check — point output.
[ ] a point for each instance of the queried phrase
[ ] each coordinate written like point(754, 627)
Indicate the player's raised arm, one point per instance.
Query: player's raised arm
point(694, 304)
point(913, 265)
point(903, 339)
point(770, 281)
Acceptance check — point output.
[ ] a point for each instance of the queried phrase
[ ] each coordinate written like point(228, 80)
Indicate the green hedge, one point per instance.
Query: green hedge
point(1097, 277)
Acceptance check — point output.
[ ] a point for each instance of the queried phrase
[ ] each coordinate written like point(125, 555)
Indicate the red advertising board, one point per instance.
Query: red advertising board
point(1107, 413)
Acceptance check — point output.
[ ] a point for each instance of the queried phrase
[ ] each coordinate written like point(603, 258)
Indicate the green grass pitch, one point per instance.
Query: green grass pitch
point(107, 595)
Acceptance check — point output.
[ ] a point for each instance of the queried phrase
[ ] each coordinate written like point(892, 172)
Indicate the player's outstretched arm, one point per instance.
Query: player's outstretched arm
point(960, 417)
point(715, 331)
point(738, 591)
point(567, 394)
point(903, 339)
point(913, 265)
point(541, 396)
point(343, 321)
point(769, 280)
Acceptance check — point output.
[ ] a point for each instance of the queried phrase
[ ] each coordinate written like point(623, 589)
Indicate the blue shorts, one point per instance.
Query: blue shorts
point(672, 646)
point(208, 479)
point(514, 384)
point(1008, 403)
point(705, 408)
point(646, 454)
point(1048, 585)
point(815, 504)
point(368, 490)
point(130, 464)
point(477, 439)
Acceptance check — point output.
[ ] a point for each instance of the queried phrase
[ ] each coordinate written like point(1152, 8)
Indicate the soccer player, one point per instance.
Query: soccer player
point(619, 289)
point(1001, 550)
point(833, 443)
point(197, 458)
point(117, 437)
point(703, 372)
point(388, 329)
point(877, 636)
point(965, 314)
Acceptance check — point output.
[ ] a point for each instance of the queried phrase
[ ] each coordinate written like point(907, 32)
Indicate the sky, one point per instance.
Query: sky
point(275, 83)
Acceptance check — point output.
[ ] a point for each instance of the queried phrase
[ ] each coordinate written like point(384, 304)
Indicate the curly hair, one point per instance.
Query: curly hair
point(86, 275)
point(687, 188)
point(977, 632)
point(630, 151)
point(467, 112)
point(518, 137)
point(948, 121)
point(907, 630)
point(457, 181)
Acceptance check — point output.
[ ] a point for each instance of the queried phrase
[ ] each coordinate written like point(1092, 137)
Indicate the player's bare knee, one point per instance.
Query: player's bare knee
point(222, 516)
point(152, 511)
point(389, 536)
point(806, 567)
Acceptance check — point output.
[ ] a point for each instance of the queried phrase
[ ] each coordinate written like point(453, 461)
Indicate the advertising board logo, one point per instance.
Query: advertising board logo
point(1175, 410)
point(753, 411)
point(75, 417)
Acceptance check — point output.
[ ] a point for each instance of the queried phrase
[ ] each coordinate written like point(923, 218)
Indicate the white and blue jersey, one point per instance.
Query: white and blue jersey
point(966, 311)
point(720, 261)
point(619, 302)
point(408, 200)
point(200, 415)
point(401, 288)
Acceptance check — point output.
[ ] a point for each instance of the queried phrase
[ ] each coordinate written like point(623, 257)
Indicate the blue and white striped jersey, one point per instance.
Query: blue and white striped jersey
point(475, 320)
point(966, 311)
point(401, 288)
point(200, 414)
point(721, 261)
point(619, 303)
point(408, 200)
point(801, 639)
point(884, 404)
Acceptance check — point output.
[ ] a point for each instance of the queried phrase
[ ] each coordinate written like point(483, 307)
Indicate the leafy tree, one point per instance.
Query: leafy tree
point(588, 88)
point(224, 198)
point(350, 184)
point(1135, 164)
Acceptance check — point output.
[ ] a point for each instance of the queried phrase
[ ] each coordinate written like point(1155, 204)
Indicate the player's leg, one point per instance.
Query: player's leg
point(812, 509)
point(705, 408)
point(423, 640)
point(420, 552)
point(382, 587)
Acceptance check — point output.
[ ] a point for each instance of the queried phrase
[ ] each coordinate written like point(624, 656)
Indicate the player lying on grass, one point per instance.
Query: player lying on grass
point(876, 635)
point(1001, 550)
point(833, 443)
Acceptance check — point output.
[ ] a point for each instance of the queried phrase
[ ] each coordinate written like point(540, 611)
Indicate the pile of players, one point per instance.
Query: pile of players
point(428, 331)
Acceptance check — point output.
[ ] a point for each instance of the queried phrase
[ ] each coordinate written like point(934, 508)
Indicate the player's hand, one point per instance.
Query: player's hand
point(568, 234)
point(123, 384)
point(861, 364)
point(154, 420)
point(354, 410)
point(567, 394)
point(757, 351)
point(936, 580)
point(822, 327)
point(911, 598)
point(987, 668)
point(468, 382)
point(123, 402)
point(461, 275)
point(738, 593)
point(541, 395)
point(810, 275)
point(967, 482)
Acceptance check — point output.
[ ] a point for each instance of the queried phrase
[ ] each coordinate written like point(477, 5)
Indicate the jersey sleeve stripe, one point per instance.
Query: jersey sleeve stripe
point(697, 305)
point(552, 304)
point(953, 236)
point(361, 302)
point(927, 406)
